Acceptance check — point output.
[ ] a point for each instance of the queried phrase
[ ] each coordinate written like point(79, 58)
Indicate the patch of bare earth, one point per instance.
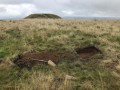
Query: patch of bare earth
point(88, 52)
point(32, 58)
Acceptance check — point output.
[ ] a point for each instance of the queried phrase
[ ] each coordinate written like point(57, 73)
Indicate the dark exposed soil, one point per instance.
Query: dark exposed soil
point(1, 61)
point(30, 59)
point(87, 52)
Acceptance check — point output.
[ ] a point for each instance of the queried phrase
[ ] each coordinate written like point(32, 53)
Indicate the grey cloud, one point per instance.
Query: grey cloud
point(94, 7)
point(2, 10)
point(14, 1)
point(69, 7)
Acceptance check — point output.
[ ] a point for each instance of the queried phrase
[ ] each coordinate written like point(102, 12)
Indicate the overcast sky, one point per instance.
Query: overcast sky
point(72, 8)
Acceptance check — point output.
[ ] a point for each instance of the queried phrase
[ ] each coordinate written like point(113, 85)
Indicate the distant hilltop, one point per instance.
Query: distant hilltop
point(43, 16)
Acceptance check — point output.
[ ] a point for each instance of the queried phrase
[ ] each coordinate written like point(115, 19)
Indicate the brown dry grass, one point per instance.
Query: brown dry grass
point(60, 34)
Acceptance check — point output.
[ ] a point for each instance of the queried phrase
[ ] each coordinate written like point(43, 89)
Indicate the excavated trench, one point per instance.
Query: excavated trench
point(30, 59)
point(88, 52)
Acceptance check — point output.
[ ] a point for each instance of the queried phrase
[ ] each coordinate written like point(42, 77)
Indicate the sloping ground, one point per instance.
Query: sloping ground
point(48, 37)
point(43, 16)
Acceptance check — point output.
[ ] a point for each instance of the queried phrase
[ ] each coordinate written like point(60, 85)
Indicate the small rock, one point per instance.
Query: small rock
point(118, 67)
point(115, 74)
point(68, 77)
point(51, 63)
point(107, 61)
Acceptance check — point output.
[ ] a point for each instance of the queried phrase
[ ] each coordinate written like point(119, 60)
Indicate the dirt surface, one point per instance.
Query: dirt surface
point(1, 61)
point(87, 52)
point(30, 59)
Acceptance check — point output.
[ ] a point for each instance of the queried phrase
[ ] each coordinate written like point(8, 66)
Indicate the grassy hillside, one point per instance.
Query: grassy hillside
point(21, 36)
point(44, 16)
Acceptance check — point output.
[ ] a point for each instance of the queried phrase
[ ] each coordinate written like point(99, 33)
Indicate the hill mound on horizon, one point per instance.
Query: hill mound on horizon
point(43, 16)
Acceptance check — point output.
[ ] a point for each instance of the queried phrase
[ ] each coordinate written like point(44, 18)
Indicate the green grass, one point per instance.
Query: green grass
point(90, 74)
